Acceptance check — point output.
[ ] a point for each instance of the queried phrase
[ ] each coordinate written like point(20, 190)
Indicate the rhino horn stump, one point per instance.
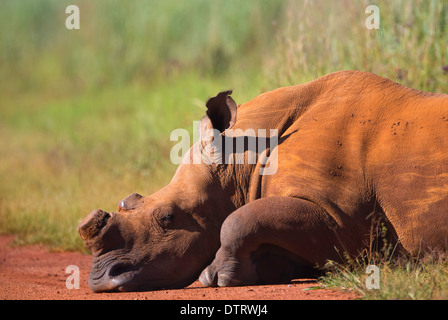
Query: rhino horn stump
point(91, 225)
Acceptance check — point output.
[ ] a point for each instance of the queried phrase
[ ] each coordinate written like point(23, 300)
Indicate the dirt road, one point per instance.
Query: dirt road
point(33, 273)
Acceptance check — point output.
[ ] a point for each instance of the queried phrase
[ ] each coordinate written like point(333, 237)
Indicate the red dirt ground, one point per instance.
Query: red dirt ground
point(34, 273)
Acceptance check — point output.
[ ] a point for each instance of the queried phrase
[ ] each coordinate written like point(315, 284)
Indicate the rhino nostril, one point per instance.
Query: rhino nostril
point(118, 269)
point(122, 271)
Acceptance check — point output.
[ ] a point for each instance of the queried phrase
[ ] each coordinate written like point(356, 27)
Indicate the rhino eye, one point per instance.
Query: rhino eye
point(167, 220)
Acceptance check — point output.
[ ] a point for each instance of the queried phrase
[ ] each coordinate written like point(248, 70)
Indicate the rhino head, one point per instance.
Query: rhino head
point(166, 239)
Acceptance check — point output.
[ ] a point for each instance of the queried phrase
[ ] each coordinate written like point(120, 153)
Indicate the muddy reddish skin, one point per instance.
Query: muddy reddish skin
point(353, 148)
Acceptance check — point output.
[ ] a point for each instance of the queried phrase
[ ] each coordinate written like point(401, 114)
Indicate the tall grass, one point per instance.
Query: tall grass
point(128, 41)
point(399, 279)
point(324, 36)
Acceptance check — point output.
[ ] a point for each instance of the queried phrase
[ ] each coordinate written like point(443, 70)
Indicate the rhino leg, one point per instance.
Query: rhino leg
point(302, 234)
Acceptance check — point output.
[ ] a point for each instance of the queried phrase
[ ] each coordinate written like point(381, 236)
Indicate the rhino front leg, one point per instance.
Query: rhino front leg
point(297, 227)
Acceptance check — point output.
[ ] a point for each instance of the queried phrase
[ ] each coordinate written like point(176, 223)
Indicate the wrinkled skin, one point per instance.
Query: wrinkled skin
point(153, 242)
point(354, 149)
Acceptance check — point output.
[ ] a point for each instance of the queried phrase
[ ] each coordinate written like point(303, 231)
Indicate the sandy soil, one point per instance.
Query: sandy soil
point(34, 273)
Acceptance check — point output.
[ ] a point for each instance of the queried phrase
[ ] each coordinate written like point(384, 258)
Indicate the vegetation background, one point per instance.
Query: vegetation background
point(85, 115)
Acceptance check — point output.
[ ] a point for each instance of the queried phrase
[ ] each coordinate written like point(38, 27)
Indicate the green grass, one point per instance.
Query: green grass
point(85, 115)
point(398, 276)
point(405, 279)
point(324, 36)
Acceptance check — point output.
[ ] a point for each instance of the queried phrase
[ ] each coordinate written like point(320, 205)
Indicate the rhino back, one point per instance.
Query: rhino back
point(354, 142)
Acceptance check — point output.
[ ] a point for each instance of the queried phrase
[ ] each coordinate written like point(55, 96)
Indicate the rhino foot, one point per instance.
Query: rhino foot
point(228, 271)
point(208, 277)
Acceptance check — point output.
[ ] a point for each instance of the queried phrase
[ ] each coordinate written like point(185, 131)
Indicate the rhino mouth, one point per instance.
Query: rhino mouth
point(119, 276)
point(125, 277)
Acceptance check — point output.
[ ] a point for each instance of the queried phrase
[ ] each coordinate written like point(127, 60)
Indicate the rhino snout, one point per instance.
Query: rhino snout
point(118, 277)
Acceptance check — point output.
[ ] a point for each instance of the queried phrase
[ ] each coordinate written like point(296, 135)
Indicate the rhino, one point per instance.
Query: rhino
point(353, 148)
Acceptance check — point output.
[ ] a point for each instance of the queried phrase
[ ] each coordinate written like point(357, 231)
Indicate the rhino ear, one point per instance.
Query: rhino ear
point(221, 112)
